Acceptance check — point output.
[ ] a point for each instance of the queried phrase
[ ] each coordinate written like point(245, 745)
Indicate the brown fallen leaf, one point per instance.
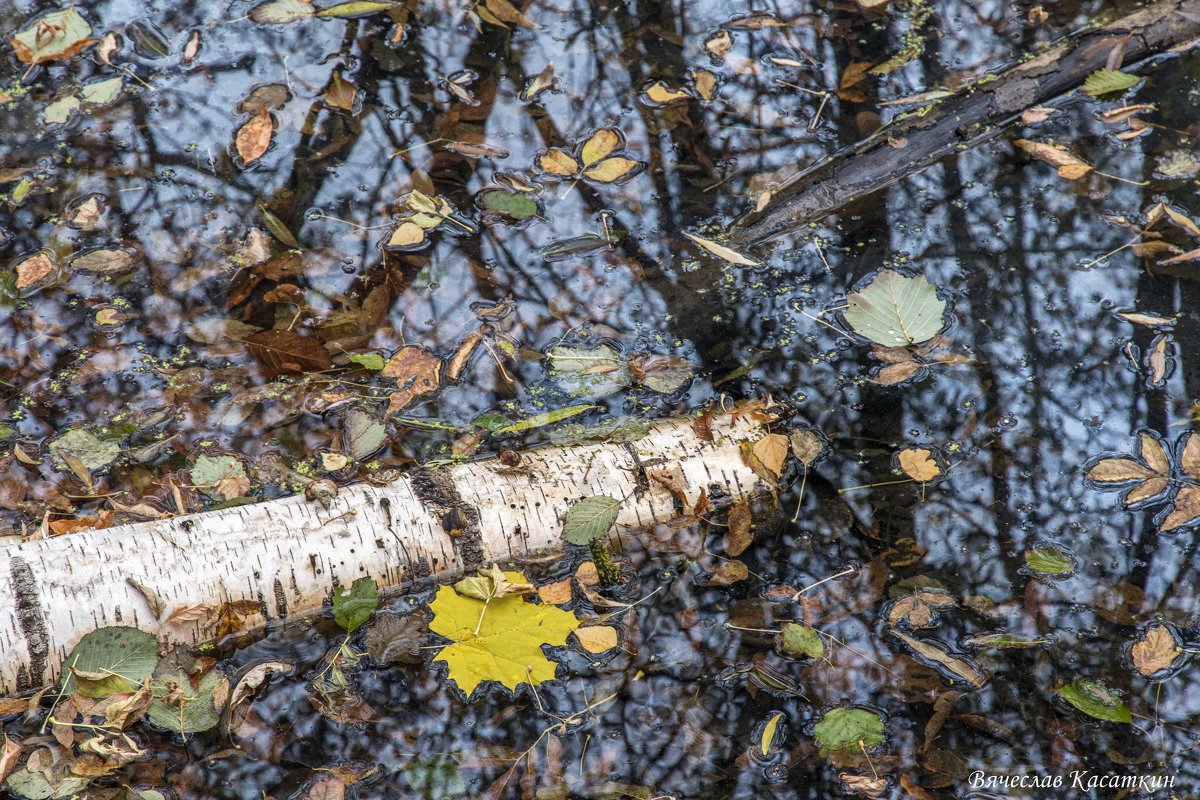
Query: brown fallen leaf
point(281, 352)
point(960, 667)
point(10, 752)
point(740, 533)
point(919, 608)
point(32, 270)
point(416, 371)
point(772, 451)
point(729, 572)
point(341, 93)
point(865, 785)
point(507, 12)
point(1032, 116)
point(254, 137)
point(1069, 165)
point(1156, 650)
point(718, 44)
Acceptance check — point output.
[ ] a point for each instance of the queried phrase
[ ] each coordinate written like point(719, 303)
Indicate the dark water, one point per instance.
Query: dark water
point(1053, 379)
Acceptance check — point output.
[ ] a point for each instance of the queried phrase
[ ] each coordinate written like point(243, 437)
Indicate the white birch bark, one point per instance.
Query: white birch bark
point(289, 554)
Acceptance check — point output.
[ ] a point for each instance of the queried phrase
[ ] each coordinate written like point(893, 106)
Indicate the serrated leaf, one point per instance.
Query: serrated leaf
point(590, 519)
point(896, 310)
point(110, 660)
point(842, 729)
point(1103, 81)
point(802, 639)
point(1049, 561)
point(919, 463)
point(721, 251)
point(181, 708)
point(1096, 700)
point(354, 607)
point(501, 641)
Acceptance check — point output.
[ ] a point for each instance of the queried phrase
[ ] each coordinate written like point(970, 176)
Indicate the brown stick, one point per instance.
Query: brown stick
point(975, 115)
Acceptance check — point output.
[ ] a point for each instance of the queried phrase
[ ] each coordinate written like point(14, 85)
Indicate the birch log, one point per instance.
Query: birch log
point(290, 554)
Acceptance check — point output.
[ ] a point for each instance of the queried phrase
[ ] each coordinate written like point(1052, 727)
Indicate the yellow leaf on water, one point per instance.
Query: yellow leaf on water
point(601, 144)
point(1069, 165)
point(614, 169)
point(705, 83)
point(500, 642)
point(721, 251)
point(658, 92)
point(919, 463)
point(558, 162)
point(406, 234)
point(597, 638)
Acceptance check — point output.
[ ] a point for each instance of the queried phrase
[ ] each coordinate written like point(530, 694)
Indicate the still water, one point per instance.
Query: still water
point(146, 351)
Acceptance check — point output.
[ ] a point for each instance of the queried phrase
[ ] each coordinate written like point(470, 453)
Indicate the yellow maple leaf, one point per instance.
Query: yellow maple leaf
point(500, 640)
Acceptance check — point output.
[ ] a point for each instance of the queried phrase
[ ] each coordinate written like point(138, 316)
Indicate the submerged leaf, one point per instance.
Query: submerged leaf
point(1049, 560)
point(848, 729)
point(254, 137)
point(1156, 650)
point(1096, 700)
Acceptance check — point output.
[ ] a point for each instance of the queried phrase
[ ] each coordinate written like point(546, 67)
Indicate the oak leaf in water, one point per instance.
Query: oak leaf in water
point(1156, 650)
point(500, 640)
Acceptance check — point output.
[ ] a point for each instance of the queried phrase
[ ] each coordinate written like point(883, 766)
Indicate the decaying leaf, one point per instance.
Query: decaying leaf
point(340, 94)
point(721, 251)
point(772, 451)
point(1155, 650)
point(1069, 165)
point(718, 44)
point(254, 137)
point(33, 270)
point(56, 36)
point(281, 351)
point(659, 93)
point(934, 653)
point(539, 83)
point(919, 609)
point(1145, 479)
point(809, 445)
point(416, 371)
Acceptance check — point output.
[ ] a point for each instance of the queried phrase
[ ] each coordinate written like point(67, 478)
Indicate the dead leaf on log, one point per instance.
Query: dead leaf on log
point(282, 352)
point(772, 451)
point(254, 137)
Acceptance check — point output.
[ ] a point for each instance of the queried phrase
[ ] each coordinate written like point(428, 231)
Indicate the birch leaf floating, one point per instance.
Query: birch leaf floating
point(1070, 166)
point(1104, 81)
point(721, 251)
point(498, 640)
point(896, 310)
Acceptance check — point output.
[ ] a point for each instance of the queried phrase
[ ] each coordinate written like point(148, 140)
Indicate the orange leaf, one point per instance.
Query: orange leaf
point(254, 137)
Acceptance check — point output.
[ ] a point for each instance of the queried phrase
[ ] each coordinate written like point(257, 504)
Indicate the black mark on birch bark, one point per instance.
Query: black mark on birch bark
point(33, 624)
point(281, 604)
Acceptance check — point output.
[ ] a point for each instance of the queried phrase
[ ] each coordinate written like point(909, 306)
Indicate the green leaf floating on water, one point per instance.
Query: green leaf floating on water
point(110, 660)
point(590, 519)
point(804, 640)
point(354, 9)
point(1096, 700)
point(896, 310)
point(842, 729)
point(499, 424)
point(1049, 560)
point(190, 710)
point(354, 607)
point(514, 205)
point(1103, 81)
point(371, 361)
